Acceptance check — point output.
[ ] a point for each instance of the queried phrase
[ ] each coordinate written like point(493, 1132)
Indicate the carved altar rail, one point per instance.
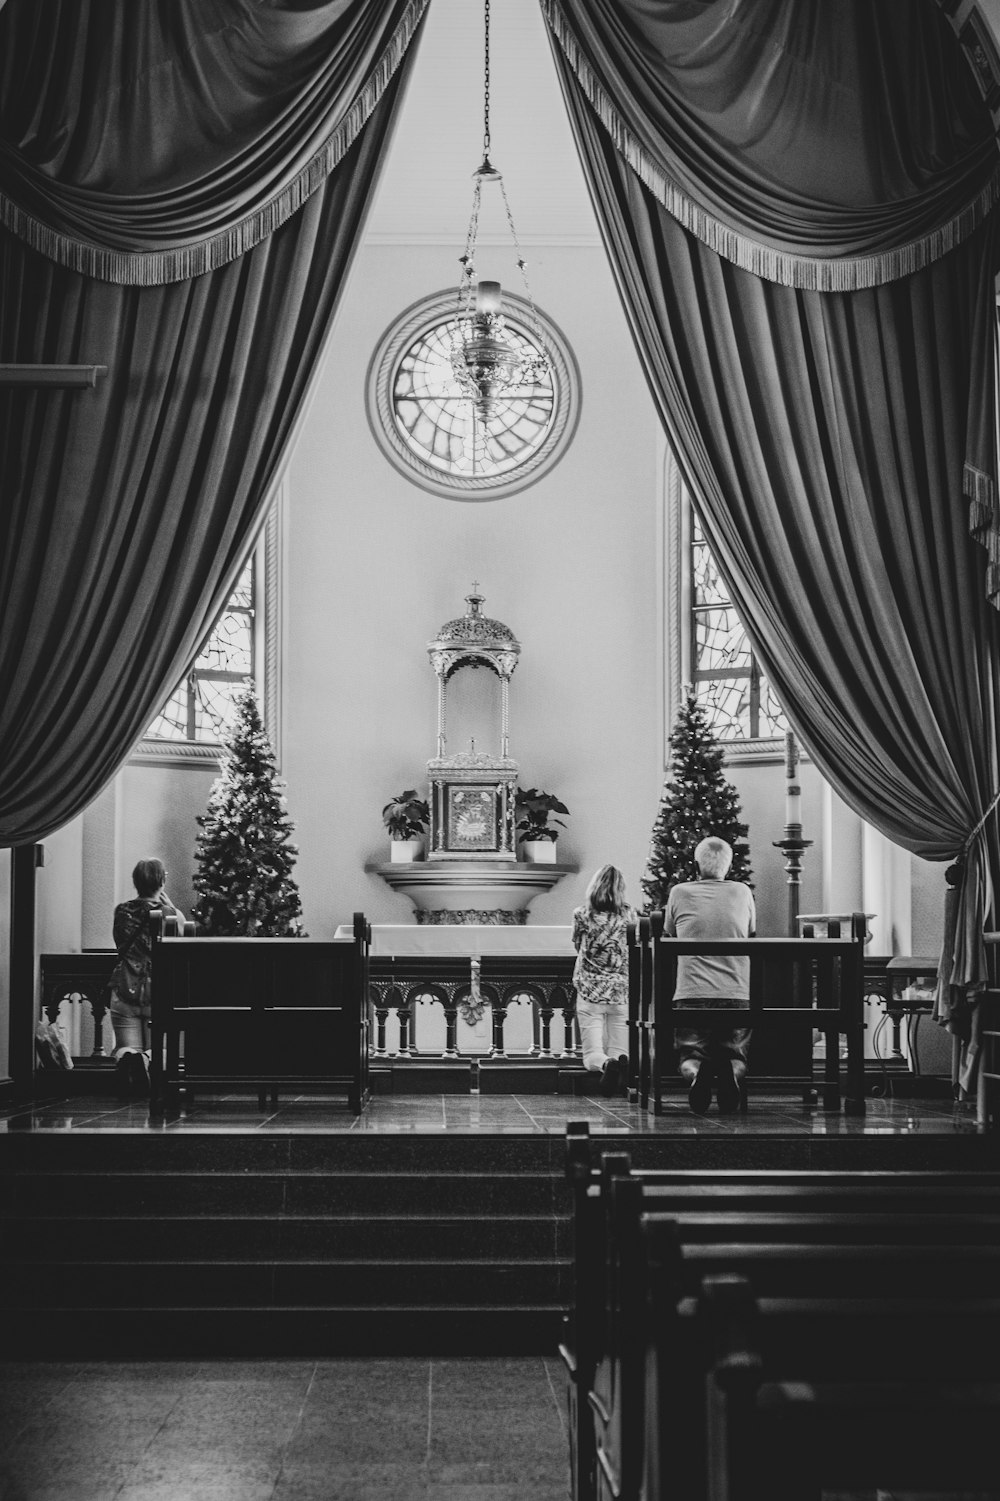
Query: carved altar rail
point(468, 986)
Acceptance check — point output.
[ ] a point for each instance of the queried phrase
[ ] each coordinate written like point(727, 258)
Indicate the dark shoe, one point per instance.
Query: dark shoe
point(700, 1093)
point(727, 1089)
point(623, 1075)
point(133, 1076)
point(611, 1077)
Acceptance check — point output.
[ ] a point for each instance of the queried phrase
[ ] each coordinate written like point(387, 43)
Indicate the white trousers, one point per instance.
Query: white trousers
point(603, 1031)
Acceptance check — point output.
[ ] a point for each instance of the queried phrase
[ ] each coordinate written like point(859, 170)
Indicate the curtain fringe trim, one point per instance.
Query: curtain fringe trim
point(979, 491)
point(130, 268)
point(812, 274)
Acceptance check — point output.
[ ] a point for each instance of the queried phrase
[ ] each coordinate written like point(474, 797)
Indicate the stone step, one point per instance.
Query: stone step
point(121, 1330)
point(834, 1146)
point(405, 1237)
point(156, 1243)
point(422, 1151)
point(51, 1287)
point(144, 1193)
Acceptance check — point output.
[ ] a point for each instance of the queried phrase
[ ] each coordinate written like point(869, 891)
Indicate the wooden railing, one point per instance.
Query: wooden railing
point(82, 981)
point(468, 988)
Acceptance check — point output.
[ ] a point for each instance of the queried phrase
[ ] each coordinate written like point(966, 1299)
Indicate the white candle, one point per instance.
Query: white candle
point(487, 297)
point(793, 797)
point(793, 804)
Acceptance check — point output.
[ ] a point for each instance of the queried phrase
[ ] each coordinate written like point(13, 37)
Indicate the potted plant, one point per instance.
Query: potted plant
point(537, 830)
point(406, 817)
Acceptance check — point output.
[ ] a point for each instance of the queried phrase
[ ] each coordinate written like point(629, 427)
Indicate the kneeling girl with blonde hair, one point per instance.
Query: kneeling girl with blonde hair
point(601, 977)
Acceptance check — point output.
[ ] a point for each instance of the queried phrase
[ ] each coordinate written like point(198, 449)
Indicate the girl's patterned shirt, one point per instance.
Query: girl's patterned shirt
point(601, 970)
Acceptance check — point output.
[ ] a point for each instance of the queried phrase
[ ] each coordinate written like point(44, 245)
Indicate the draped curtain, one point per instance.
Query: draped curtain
point(183, 184)
point(797, 202)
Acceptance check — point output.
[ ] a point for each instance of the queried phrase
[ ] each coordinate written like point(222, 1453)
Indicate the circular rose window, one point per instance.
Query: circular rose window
point(433, 432)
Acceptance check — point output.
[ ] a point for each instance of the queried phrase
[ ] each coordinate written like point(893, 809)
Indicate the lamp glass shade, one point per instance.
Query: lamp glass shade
point(487, 297)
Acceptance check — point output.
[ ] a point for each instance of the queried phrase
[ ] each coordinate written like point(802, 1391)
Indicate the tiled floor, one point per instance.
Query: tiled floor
point(284, 1430)
point(769, 1115)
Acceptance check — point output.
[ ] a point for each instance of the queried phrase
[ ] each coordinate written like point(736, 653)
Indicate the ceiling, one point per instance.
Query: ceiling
point(426, 191)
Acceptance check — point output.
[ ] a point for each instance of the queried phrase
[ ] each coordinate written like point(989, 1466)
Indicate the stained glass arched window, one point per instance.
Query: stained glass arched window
point(201, 706)
point(241, 647)
point(430, 430)
point(724, 669)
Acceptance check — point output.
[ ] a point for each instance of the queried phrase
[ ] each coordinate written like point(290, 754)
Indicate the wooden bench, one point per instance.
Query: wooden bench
point(806, 1396)
point(660, 1358)
point(796, 984)
point(266, 1015)
point(794, 1234)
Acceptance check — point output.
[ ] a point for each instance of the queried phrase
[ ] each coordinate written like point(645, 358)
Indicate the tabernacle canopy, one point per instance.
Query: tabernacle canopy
point(829, 146)
point(219, 119)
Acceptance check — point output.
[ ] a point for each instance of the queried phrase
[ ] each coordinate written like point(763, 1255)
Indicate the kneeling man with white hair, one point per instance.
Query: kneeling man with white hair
point(712, 907)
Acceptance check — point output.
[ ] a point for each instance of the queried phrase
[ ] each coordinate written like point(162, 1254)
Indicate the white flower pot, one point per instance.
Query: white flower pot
point(403, 851)
point(540, 851)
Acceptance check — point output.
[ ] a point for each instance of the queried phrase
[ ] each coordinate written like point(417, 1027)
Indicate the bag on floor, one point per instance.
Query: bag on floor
point(50, 1049)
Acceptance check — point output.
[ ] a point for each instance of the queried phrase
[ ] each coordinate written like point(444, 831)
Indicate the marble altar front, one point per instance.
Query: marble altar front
point(471, 989)
point(409, 941)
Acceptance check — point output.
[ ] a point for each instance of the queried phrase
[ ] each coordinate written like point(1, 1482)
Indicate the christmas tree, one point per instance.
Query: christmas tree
point(245, 880)
point(697, 801)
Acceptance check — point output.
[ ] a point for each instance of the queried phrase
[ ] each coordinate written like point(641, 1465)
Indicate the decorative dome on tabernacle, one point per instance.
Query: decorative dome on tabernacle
point(473, 640)
point(475, 628)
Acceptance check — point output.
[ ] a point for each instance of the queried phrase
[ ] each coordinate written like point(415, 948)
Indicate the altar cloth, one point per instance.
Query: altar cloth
point(410, 940)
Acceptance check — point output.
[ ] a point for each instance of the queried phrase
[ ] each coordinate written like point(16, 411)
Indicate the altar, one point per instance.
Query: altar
point(465, 940)
point(472, 991)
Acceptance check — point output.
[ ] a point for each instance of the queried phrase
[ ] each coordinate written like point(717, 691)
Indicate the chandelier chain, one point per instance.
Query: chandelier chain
point(487, 361)
point(486, 82)
point(466, 285)
point(521, 264)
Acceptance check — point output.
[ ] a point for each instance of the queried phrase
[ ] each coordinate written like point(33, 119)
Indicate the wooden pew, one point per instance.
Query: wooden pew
point(828, 1281)
point(835, 1394)
point(802, 1234)
point(795, 983)
point(260, 1014)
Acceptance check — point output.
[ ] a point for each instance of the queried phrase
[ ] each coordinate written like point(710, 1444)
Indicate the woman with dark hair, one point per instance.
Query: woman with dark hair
point(130, 978)
point(601, 977)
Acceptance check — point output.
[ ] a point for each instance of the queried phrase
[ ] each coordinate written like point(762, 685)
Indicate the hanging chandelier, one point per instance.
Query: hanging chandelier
point(488, 361)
